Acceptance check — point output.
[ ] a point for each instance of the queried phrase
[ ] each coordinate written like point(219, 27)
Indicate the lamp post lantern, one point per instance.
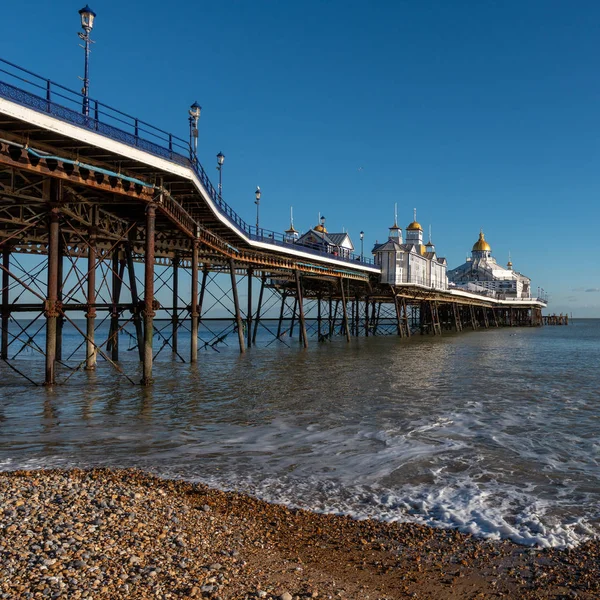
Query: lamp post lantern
point(257, 202)
point(194, 112)
point(87, 23)
point(322, 220)
point(220, 161)
point(362, 237)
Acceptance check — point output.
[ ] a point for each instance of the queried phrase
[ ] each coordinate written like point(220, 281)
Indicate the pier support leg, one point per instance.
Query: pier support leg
point(175, 315)
point(59, 296)
point(149, 294)
point(345, 311)
point(319, 318)
point(331, 316)
point(279, 324)
point(334, 318)
point(5, 301)
point(473, 321)
point(52, 311)
point(301, 319)
point(249, 312)
point(263, 281)
point(114, 319)
point(90, 352)
point(236, 305)
point(194, 304)
point(293, 316)
point(399, 329)
point(135, 300)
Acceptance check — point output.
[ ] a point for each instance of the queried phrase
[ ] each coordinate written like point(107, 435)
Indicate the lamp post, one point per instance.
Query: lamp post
point(220, 161)
point(362, 237)
point(322, 219)
point(87, 23)
point(194, 112)
point(257, 202)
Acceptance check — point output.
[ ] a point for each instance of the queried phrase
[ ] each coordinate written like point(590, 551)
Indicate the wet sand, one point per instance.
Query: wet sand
point(125, 534)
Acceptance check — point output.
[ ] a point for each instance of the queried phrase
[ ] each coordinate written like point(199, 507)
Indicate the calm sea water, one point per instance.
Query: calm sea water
point(492, 432)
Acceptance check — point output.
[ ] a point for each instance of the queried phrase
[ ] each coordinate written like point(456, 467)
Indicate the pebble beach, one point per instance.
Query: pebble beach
point(125, 534)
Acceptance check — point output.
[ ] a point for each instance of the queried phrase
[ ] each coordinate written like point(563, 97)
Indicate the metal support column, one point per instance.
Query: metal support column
point(175, 315)
point(135, 300)
point(304, 337)
point(263, 281)
point(345, 311)
point(149, 294)
point(249, 312)
point(319, 318)
point(236, 305)
point(406, 323)
point(293, 317)
point(52, 311)
point(331, 317)
point(5, 301)
point(90, 352)
point(398, 314)
point(59, 296)
point(194, 304)
point(283, 298)
point(114, 318)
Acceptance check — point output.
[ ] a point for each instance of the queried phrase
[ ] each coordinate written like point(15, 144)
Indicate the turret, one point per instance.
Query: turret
point(291, 235)
point(395, 231)
point(481, 249)
point(414, 232)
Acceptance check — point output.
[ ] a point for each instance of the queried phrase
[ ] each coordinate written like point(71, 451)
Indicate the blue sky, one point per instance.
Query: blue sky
point(480, 114)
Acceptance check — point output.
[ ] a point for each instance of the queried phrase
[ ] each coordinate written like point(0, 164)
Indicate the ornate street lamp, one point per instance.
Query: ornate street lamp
point(362, 237)
point(87, 23)
point(220, 161)
point(257, 202)
point(194, 112)
point(322, 219)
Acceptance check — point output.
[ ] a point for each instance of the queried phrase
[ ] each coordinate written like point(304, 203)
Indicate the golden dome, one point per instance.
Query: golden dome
point(414, 226)
point(291, 230)
point(320, 229)
point(481, 245)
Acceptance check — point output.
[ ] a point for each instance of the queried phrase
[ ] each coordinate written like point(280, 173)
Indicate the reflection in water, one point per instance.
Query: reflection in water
point(493, 432)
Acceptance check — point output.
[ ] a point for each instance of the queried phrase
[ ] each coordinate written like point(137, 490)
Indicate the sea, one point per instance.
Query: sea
point(493, 432)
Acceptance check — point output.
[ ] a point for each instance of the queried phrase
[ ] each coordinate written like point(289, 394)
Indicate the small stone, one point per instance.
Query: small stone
point(285, 596)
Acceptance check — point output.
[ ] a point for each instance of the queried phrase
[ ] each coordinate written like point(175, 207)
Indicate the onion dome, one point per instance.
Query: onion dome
point(414, 226)
point(509, 264)
point(320, 228)
point(481, 245)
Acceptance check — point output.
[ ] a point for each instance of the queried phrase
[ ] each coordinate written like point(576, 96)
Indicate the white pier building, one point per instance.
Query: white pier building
point(410, 261)
point(482, 274)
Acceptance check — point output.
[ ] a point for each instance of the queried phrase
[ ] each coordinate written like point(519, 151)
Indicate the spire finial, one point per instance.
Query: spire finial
point(395, 214)
point(291, 216)
point(430, 235)
point(414, 214)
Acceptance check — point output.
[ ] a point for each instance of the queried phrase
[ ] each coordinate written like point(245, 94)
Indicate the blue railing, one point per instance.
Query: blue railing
point(28, 89)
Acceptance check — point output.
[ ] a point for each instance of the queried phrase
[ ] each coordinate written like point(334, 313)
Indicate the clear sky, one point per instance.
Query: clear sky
point(481, 113)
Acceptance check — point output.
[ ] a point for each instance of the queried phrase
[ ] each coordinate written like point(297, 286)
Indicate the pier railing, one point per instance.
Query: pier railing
point(43, 95)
